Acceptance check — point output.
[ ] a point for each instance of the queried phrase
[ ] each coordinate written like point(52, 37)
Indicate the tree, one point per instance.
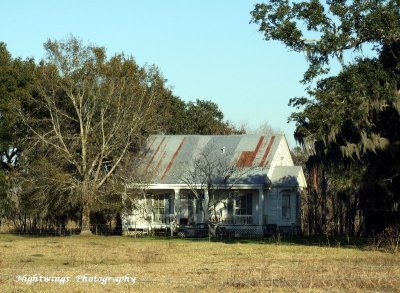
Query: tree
point(173, 114)
point(204, 117)
point(365, 88)
point(4, 200)
point(90, 113)
point(16, 82)
point(200, 117)
point(351, 117)
point(211, 178)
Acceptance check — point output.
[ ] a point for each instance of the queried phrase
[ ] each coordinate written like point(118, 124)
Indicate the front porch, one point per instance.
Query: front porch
point(166, 208)
point(183, 207)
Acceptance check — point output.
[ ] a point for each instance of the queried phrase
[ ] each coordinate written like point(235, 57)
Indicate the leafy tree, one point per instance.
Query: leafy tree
point(200, 117)
point(16, 78)
point(4, 200)
point(16, 81)
point(204, 117)
point(365, 90)
point(173, 119)
point(352, 117)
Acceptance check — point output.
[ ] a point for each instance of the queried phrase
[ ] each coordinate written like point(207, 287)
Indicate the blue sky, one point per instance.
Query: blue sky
point(206, 49)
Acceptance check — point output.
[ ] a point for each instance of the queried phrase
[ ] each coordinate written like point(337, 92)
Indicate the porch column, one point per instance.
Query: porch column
point(205, 206)
point(176, 205)
point(261, 206)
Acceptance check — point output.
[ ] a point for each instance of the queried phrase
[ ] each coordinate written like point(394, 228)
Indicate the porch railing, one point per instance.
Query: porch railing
point(230, 220)
point(163, 218)
point(234, 220)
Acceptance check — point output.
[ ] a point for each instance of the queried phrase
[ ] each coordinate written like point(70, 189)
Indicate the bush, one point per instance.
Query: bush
point(388, 240)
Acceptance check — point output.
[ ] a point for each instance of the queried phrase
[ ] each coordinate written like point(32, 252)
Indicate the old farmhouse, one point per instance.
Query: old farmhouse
point(245, 182)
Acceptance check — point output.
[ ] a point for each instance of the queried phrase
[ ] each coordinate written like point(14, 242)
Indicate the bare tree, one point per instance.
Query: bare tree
point(217, 172)
point(262, 128)
point(92, 112)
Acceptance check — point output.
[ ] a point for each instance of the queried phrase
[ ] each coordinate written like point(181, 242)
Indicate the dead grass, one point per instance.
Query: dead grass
point(192, 266)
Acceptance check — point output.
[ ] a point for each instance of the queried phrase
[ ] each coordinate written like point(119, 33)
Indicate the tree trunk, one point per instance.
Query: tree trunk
point(324, 195)
point(86, 219)
point(85, 209)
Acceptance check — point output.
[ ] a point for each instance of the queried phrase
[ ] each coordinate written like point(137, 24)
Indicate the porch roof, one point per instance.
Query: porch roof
point(288, 176)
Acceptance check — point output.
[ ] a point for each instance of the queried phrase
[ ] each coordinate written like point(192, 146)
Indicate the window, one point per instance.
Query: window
point(244, 205)
point(286, 206)
point(159, 204)
point(163, 204)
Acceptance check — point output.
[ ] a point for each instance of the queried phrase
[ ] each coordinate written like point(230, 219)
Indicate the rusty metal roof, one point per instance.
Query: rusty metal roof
point(167, 158)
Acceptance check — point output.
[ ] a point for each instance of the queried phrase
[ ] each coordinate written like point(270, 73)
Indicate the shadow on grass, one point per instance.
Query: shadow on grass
point(320, 241)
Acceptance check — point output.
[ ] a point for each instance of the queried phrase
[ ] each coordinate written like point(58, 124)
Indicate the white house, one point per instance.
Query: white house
point(236, 181)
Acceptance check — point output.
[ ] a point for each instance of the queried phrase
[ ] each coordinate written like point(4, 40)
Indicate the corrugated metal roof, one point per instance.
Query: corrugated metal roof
point(167, 158)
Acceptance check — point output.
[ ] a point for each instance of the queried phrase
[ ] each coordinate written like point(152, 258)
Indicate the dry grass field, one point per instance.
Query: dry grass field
point(156, 265)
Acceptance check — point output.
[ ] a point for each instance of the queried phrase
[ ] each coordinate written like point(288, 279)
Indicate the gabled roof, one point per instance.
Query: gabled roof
point(166, 158)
